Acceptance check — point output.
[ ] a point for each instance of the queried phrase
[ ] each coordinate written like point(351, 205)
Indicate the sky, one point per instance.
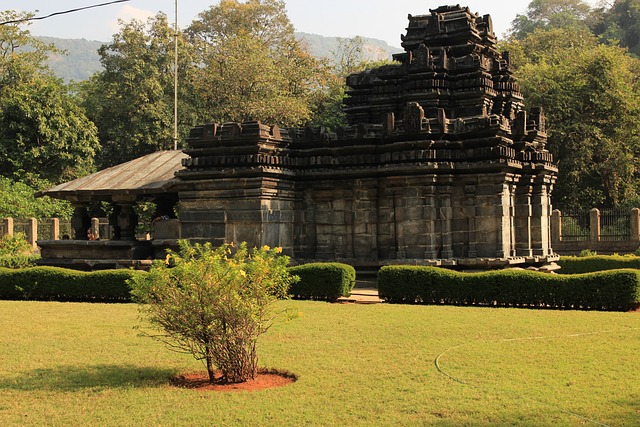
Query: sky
point(381, 19)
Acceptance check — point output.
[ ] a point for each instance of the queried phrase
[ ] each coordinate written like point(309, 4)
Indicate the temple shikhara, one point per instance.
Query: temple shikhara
point(441, 164)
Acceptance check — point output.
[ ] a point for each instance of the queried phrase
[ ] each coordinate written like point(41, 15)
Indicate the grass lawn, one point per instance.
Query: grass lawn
point(67, 364)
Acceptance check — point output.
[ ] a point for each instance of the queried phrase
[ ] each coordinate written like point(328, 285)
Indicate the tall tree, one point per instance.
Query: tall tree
point(43, 132)
point(253, 66)
point(592, 99)
point(131, 100)
point(620, 23)
point(548, 14)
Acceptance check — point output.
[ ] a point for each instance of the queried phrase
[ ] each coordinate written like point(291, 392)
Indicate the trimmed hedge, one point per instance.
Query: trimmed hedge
point(61, 284)
point(606, 290)
point(578, 265)
point(322, 281)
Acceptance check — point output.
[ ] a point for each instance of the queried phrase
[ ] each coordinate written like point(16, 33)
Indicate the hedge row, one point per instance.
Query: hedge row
point(590, 264)
point(61, 284)
point(322, 281)
point(606, 290)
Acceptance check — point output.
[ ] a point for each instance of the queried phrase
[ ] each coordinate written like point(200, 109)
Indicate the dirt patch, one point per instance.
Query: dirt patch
point(266, 378)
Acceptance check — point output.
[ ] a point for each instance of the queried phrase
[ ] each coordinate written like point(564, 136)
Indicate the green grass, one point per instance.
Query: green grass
point(67, 364)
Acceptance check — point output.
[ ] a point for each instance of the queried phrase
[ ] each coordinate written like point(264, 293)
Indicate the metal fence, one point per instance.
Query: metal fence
point(575, 225)
point(615, 224)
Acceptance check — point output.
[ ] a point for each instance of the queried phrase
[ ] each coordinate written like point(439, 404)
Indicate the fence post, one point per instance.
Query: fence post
point(95, 228)
point(32, 232)
point(594, 225)
point(635, 225)
point(8, 226)
point(55, 229)
point(556, 226)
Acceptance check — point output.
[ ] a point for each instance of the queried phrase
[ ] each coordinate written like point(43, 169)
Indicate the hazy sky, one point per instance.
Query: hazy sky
point(381, 19)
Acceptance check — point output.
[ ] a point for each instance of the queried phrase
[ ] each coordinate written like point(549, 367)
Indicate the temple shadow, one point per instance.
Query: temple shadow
point(75, 378)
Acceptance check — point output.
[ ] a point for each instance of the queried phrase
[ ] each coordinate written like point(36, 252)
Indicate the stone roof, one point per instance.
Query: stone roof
point(148, 175)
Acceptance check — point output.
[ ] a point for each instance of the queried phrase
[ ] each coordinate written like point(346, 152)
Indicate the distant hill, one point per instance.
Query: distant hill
point(82, 58)
point(81, 61)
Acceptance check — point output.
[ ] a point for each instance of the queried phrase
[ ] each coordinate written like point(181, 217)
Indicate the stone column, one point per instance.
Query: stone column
point(95, 228)
point(635, 225)
point(594, 225)
point(127, 221)
point(503, 221)
point(522, 220)
point(470, 214)
point(556, 227)
point(540, 219)
point(32, 232)
point(7, 226)
point(430, 215)
point(80, 221)
point(446, 216)
point(55, 229)
point(398, 221)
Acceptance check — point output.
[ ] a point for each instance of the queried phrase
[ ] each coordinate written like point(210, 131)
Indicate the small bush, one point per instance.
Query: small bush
point(214, 303)
point(60, 284)
point(322, 281)
point(578, 265)
point(608, 290)
point(587, 253)
point(16, 252)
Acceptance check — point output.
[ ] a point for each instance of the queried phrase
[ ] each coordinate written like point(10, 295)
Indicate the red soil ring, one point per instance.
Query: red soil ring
point(266, 378)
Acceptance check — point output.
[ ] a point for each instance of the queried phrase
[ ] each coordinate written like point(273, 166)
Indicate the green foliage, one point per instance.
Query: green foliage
point(619, 24)
point(16, 252)
point(59, 284)
point(594, 262)
point(323, 281)
point(253, 67)
point(18, 200)
point(592, 102)
point(547, 14)
point(587, 253)
point(214, 303)
point(131, 100)
point(43, 132)
point(609, 290)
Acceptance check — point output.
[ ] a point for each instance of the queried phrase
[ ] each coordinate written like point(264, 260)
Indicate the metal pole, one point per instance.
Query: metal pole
point(175, 81)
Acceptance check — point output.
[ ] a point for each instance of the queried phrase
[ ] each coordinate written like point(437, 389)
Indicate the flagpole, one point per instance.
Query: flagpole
point(175, 81)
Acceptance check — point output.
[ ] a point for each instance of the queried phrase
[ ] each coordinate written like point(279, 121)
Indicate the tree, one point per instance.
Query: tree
point(253, 68)
point(592, 101)
point(215, 303)
point(620, 23)
point(548, 14)
point(347, 59)
point(131, 100)
point(43, 132)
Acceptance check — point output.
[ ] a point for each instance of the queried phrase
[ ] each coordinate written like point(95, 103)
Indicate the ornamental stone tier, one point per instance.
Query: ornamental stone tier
point(441, 164)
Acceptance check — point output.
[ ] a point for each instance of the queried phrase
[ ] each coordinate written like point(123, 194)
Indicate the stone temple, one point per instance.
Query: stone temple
point(441, 164)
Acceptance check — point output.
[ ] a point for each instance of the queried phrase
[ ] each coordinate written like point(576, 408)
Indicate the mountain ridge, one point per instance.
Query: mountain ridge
point(82, 59)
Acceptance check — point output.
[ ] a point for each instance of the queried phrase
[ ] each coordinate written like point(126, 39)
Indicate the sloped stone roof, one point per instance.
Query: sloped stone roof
point(147, 175)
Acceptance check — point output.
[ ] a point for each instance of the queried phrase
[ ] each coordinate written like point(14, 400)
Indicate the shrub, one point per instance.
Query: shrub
point(587, 253)
point(322, 281)
point(608, 290)
point(60, 284)
point(214, 303)
point(577, 265)
point(16, 252)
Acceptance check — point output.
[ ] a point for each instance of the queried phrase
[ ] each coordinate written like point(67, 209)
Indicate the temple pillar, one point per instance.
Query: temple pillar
point(113, 222)
point(523, 213)
point(430, 215)
point(126, 220)
point(503, 220)
point(540, 218)
point(446, 216)
point(80, 221)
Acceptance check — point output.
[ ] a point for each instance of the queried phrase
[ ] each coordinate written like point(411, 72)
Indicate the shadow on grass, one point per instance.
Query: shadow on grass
point(74, 378)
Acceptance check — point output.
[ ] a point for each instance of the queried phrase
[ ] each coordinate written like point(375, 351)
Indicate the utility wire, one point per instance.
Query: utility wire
point(38, 18)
